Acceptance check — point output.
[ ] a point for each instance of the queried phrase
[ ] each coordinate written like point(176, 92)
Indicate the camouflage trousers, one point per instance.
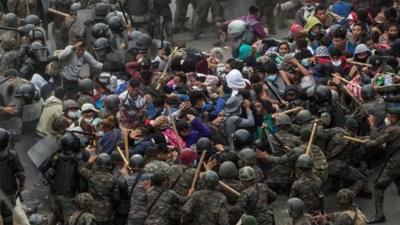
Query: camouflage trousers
point(6, 212)
point(136, 221)
point(349, 174)
point(391, 173)
point(63, 208)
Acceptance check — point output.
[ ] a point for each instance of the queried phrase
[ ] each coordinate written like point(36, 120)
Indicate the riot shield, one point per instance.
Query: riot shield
point(43, 150)
point(32, 112)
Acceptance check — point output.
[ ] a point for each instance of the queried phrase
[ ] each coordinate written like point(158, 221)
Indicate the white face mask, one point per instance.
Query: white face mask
point(337, 63)
point(88, 120)
point(387, 122)
point(100, 133)
point(74, 114)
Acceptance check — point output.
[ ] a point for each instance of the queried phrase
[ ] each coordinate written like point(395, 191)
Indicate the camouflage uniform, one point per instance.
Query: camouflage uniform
point(137, 211)
point(72, 29)
point(320, 167)
point(181, 12)
point(201, 14)
point(267, 10)
point(185, 175)
point(391, 171)
point(207, 207)
point(375, 107)
point(308, 189)
point(105, 189)
point(232, 198)
point(162, 211)
point(306, 219)
point(341, 153)
point(256, 201)
point(285, 137)
point(82, 218)
point(19, 7)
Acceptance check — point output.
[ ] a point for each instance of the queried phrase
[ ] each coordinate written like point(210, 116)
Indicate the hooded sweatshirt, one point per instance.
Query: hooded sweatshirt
point(53, 107)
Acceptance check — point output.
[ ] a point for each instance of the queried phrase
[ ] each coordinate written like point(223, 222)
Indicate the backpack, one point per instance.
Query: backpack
point(359, 217)
point(247, 37)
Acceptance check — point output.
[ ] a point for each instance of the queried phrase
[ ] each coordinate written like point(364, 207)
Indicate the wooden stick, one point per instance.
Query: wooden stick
point(355, 139)
point(126, 144)
point(58, 13)
point(346, 81)
point(355, 100)
point(197, 174)
point(310, 142)
point(174, 128)
point(28, 11)
point(358, 63)
point(166, 68)
point(122, 155)
point(292, 110)
point(227, 188)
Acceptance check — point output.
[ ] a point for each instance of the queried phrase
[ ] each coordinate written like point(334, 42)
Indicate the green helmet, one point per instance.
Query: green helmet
point(368, 92)
point(210, 179)
point(305, 133)
point(228, 169)
point(282, 120)
point(344, 197)
point(295, 207)
point(247, 173)
point(248, 220)
point(84, 201)
point(302, 117)
point(304, 161)
point(247, 155)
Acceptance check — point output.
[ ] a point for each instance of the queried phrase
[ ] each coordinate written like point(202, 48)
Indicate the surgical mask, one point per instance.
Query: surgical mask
point(337, 63)
point(100, 133)
point(309, 7)
point(387, 122)
point(137, 141)
point(174, 86)
point(88, 120)
point(272, 77)
point(304, 62)
point(74, 114)
point(312, 33)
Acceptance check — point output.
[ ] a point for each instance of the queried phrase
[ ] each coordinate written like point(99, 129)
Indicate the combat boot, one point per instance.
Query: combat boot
point(377, 219)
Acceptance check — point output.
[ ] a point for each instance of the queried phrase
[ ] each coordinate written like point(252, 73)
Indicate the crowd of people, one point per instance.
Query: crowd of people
point(155, 132)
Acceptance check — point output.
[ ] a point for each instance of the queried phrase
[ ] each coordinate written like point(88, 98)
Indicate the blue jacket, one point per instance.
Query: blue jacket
point(199, 130)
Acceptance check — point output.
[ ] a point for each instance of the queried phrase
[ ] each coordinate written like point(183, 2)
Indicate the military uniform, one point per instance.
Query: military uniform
point(256, 201)
point(308, 189)
point(105, 189)
point(19, 7)
point(207, 207)
point(162, 210)
point(181, 12)
point(341, 153)
point(267, 10)
point(391, 170)
point(140, 11)
point(82, 218)
point(137, 194)
point(201, 14)
point(185, 175)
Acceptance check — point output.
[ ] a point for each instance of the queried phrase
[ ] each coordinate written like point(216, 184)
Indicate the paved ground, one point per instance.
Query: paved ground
point(35, 191)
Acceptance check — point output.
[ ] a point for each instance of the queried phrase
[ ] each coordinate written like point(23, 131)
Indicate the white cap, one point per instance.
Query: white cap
point(87, 106)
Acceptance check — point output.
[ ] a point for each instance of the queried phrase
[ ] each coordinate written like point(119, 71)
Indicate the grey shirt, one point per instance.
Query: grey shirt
point(72, 64)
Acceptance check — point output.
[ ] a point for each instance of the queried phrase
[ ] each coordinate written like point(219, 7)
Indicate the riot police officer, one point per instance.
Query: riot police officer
point(241, 139)
point(296, 212)
point(11, 171)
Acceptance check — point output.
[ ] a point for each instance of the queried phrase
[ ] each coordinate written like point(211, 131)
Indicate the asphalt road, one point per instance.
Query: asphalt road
point(35, 191)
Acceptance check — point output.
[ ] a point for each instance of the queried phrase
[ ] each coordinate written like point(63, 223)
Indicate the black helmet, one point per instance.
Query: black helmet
point(304, 162)
point(204, 144)
point(86, 86)
point(295, 207)
point(112, 102)
point(101, 43)
point(136, 161)
point(210, 179)
point(344, 198)
point(26, 29)
point(36, 34)
point(25, 91)
point(305, 133)
point(73, 9)
point(143, 42)
point(116, 24)
point(10, 20)
point(367, 92)
point(351, 123)
point(228, 169)
point(69, 143)
point(109, 15)
point(4, 139)
point(39, 51)
point(99, 30)
point(32, 19)
point(103, 161)
point(101, 10)
point(166, 45)
point(303, 117)
point(323, 94)
point(241, 138)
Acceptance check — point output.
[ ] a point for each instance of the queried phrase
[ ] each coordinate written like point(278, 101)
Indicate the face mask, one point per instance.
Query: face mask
point(100, 133)
point(304, 62)
point(194, 162)
point(174, 86)
point(88, 120)
point(312, 33)
point(387, 122)
point(74, 114)
point(308, 7)
point(272, 77)
point(137, 141)
point(337, 63)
